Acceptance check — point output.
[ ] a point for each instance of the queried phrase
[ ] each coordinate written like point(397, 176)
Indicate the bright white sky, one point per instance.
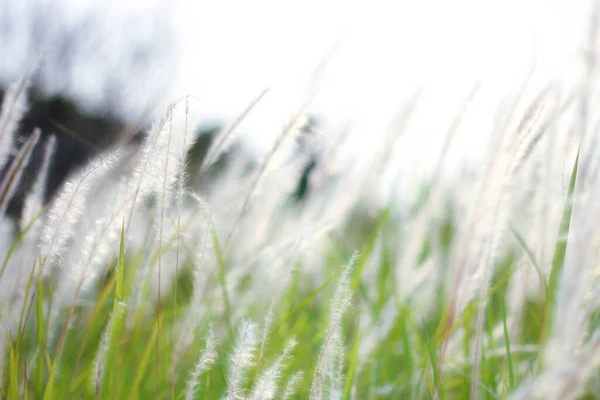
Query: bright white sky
point(389, 48)
point(233, 49)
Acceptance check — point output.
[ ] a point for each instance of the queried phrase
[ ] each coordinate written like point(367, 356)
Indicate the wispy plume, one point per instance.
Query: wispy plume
point(68, 207)
point(35, 199)
point(226, 137)
point(267, 382)
point(567, 356)
point(292, 385)
point(160, 158)
point(13, 176)
point(241, 360)
point(195, 310)
point(207, 359)
point(331, 359)
point(100, 360)
point(14, 106)
point(489, 218)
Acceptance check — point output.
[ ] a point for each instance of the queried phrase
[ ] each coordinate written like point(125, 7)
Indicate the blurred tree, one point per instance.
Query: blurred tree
point(103, 72)
point(109, 58)
point(308, 132)
point(79, 136)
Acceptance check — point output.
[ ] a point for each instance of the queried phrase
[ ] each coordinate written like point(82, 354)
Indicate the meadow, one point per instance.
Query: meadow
point(134, 283)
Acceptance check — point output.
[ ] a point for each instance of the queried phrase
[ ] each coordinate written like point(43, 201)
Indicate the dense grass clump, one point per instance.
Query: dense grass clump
point(133, 283)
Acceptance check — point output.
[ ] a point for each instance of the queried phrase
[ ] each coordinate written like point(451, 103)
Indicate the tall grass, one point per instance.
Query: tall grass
point(133, 284)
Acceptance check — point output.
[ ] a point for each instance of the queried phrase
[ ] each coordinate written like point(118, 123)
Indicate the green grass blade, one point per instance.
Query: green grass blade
point(120, 270)
point(142, 367)
point(509, 360)
point(433, 360)
point(559, 258)
point(13, 392)
point(531, 256)
point(25, 382)
point(48, 393)
point(223, 281)
point(24, 307)
point(366, 253)
point(41, 339)
point(306, 301)
point(353, 361)
point(113, 351)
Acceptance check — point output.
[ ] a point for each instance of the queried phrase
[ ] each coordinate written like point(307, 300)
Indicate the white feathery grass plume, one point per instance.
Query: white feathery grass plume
point(144, 180)
point(68, 207)
point(35, 199)
point(14, 106)
point(159, 167)
point(94, 242)
point(174, 139)
point(196, 308)
point(572, 311)
point(331, 359)
point(277, 186)
point(101, 236)
point(275, 272)
point(292, 385)
point(572, 308)
point(266, 385)
point(479, 244)
point(172, 169)
point(565, 379)
point(256, 234)
point(274, 252)
point(267, 165)
point(265, 333)
point(207, 359)
point(536, 218)
point(10, 181)
point(176, 242)
point(139, 283)
point(160, 157)
point(280, 288)
point(526, 137)
point(225, 138)
point(181, 179)
point(490, 216)
point(433, 211)
point(241, 360)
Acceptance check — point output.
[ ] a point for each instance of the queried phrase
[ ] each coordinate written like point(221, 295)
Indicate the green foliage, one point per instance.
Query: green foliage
point(403, 365)
point(359, 333)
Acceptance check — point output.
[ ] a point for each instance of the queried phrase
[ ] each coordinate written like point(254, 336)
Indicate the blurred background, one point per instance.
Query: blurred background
point(354, 66)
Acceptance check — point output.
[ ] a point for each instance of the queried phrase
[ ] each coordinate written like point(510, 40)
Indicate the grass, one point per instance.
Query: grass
point(102, 358)
point(131, 284)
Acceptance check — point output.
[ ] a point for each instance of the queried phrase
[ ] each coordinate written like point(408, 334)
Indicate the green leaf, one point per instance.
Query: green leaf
point(558, 260)
point(144, 361)
point(353, 361)
point(509, 360)
point(223, 280)
point(14, 372)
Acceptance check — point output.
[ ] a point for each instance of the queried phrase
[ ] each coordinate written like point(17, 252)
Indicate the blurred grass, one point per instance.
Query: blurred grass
point(403, 364)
